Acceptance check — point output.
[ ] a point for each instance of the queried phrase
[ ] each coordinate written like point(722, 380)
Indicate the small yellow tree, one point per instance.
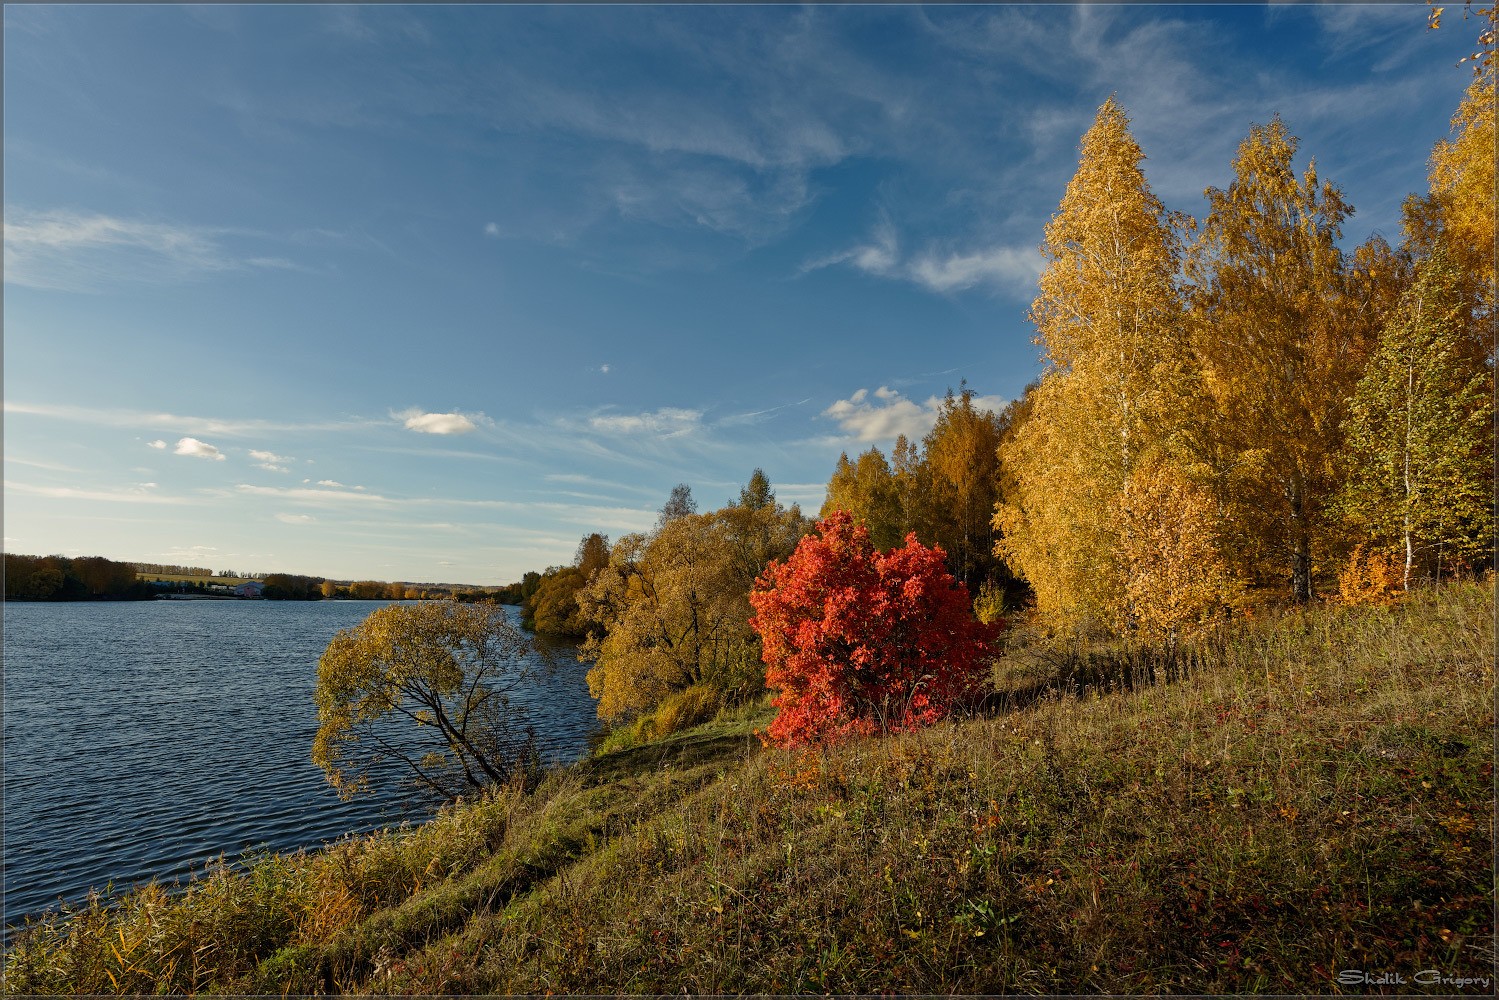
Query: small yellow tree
point(442, 666)
point(671, 611)
point(1175, 581)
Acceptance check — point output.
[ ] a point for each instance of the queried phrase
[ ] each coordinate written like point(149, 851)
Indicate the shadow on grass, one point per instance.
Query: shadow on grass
point(689, 750)
point(1076, 673)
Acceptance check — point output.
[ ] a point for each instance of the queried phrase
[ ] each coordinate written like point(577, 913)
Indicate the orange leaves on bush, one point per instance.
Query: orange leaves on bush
point(859, 642)
point(1370, 577)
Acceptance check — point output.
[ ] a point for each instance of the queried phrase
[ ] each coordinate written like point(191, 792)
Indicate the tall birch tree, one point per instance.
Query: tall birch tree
point(1420, 454)
point(1108, 320)
point(1279, 358)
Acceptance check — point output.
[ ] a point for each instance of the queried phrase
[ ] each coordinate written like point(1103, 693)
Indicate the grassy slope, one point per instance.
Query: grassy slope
point(1315, 794)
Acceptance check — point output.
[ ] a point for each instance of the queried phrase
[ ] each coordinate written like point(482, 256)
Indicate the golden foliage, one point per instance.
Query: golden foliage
point(441, 665)
point(1462, 183)
point(1419, 438)
point(1279, 353)
point(989, 604)
point(1369, 577)
point(1108, 318)
point(1175, 581)
point(672, 609)
point(868, 490)
point(960, 473)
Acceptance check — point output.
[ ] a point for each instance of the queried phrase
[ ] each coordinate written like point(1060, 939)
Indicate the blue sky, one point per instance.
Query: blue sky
point(428, 293)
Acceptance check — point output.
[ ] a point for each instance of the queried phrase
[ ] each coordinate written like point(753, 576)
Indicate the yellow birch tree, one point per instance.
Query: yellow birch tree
point(1279, 354)
point(1108, 320)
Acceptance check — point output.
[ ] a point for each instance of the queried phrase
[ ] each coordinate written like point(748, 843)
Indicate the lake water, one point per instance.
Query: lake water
point(143, 739)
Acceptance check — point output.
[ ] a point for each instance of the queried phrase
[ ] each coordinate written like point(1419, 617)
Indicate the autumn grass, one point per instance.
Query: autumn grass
point(1304, 795)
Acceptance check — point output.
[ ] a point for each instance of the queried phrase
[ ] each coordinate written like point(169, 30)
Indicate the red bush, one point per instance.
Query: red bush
point(858, 641)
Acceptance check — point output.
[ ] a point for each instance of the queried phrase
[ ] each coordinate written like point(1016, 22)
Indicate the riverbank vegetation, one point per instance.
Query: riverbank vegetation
point(1211, 594)
point(58, 578)
point(1234, 413)
point(1251, 811)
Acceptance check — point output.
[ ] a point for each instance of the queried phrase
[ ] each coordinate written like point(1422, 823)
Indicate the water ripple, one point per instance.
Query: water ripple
point(143, 740)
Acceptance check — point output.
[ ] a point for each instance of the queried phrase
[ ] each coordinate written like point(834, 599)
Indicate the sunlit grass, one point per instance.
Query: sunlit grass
point(1302, 795)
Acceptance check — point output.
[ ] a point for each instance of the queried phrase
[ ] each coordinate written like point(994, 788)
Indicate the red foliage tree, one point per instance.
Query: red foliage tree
point(858, 642)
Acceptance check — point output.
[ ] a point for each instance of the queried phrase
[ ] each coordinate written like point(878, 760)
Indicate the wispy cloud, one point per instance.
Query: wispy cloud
point(1006, 268)
point(598, 516)
point(809, 495)
point(158, 444)
point(73, 251)
point(579, 479)
point(270, 461)
point(667, 422)
point(325, 496)
point(417, 419)
point(194, 448)
point(295, 518)
point(757, 416)
point(221, 426)
point(136, 494)
point(49, 466)
point(879, 255)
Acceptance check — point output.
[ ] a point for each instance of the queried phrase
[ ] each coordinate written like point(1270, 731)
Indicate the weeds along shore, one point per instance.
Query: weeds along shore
point(1294, 799)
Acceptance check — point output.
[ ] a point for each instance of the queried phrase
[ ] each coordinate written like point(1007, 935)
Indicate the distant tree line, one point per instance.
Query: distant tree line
point(166, 569)
point(59, 578)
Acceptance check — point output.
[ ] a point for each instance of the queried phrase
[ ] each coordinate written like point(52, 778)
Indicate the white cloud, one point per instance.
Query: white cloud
point(416, 419)
point(1006, 267)
point(603, 369)
point(329, 482)
point(669, 421)
point(158, 444)
point(491, 229)
point(296, 518)
point(74, 251)
point(883, 420)
point(885, 413)
point(194, 448)
point(270, 461)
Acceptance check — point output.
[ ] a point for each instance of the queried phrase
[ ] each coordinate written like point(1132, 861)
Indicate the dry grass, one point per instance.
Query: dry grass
point(1308, 794)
